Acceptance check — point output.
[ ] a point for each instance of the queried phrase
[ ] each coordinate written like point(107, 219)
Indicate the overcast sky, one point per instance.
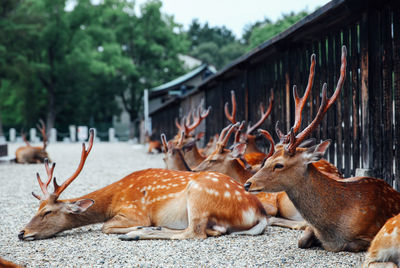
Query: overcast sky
point(234, 14)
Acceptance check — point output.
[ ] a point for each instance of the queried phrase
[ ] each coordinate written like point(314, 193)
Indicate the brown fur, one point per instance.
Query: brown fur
point(190, 202)
point(344, 215)
point(385, 247)
point(30, 155)
point(7, 264)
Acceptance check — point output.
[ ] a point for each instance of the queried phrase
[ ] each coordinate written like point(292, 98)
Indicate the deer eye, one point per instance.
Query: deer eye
point(278, 166)
point(46, 213)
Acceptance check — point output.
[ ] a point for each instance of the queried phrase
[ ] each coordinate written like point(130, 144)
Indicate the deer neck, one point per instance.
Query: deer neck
point(313, 196)
point(100, 211)
point(178, 162)
point(238, 172)
point(252, 147)
point(193, 157)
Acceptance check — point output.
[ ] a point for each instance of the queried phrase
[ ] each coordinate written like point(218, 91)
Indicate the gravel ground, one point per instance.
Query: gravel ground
point(88, 247)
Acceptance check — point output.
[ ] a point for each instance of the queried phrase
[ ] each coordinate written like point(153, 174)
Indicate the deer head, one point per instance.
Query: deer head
point(290, 161)
point(54, 215)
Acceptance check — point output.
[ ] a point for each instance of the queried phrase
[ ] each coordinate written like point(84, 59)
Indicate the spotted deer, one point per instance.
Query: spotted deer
point(385, 247)
point(33, 154)
point(231, 163)
point(150, 204)
point(343, 215)
point(253, 155)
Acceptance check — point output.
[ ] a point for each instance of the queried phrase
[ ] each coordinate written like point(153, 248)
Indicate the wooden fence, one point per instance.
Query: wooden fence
point(363, 124)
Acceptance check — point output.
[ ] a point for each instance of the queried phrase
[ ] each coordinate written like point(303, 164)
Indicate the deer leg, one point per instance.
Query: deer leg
point(308, 239)
point(197, 226)
point(295, 225)
point(120, 224)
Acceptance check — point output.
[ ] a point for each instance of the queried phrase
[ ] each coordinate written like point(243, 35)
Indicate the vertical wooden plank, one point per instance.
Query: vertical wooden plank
point(324, 46)
point(346, 93)
point(331, 114)
point(365, 119)
point(396, 73)
point(375, 82)
point(387, 157)
point(317, 84)
point(287, 89)
point(339, 104)
point(355, 41)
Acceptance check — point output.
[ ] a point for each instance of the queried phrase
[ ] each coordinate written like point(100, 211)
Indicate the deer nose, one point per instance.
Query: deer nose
point(21, 235)
point(247, 186)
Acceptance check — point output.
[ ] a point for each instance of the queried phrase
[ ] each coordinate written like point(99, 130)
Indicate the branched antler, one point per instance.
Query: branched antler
point(42, 128)
point(59, 189)
point(295, 141)
point(231, 117)
point(264, 116)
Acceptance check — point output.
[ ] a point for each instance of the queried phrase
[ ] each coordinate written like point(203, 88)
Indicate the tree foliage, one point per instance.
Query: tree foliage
point(261, 31)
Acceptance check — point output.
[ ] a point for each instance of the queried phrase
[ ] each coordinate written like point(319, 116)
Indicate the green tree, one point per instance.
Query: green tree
point(153, 42)
point(266, 30)
point(213, 45)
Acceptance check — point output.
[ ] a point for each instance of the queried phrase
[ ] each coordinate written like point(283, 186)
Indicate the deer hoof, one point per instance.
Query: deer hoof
point(129, 238)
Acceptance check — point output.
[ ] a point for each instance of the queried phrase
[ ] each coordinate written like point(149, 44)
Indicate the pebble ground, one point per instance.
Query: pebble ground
point(89, 247)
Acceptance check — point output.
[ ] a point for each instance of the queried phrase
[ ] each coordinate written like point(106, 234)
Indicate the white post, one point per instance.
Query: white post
point(32, 134)
point(83, 133)
point(53, 135)
point(13, 134)
point(111, 135)
point(72, 133)
point(147, 123)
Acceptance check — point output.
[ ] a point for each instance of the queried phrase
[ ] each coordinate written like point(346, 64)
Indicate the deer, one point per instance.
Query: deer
point(149, 204)
point(191, 153)
point(153, 144)
point(33, 154)
point(253, 155)
point(385, 247)
point(342, 214)
point(231, 162)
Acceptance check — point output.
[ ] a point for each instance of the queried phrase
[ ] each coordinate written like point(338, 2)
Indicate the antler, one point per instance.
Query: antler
point(23, 135)
point(271, 140)
point(164, 142)
point(263, 115)
point(42, 129)
point(197, 118)
point(42, 185)
point(225, 134)
point(231, 117)
point(59, 189)
point(238, 132)
point(326, 103)
point(299, 103)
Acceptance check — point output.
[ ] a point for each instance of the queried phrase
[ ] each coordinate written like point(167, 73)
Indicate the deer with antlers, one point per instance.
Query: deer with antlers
point(150, 204)
point(232, 163)
point(343, 215)
point(253, 155)
point(33, 154)
point(192, 153)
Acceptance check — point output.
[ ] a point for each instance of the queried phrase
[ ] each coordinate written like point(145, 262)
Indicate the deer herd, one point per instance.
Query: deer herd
point(232, 188)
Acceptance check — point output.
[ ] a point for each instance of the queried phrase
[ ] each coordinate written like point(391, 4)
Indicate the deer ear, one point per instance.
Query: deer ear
point(315, 153)
point(238, 150)
point(79, 206)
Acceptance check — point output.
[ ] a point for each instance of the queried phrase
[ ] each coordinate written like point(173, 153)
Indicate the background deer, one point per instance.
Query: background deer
point(33, 154)
point(230, 162)
point(252, 155)
point(153, 144)
point(385, 247)
point(343, 215)
point(181, 204)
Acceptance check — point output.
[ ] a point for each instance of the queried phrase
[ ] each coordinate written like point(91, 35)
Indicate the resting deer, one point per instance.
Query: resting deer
point(31, 154)
point(231, 163)
point(253, 155)
point(153, 144)
point(385, 247)
point(343, 215)
point(180, 204)
point(7, 264)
